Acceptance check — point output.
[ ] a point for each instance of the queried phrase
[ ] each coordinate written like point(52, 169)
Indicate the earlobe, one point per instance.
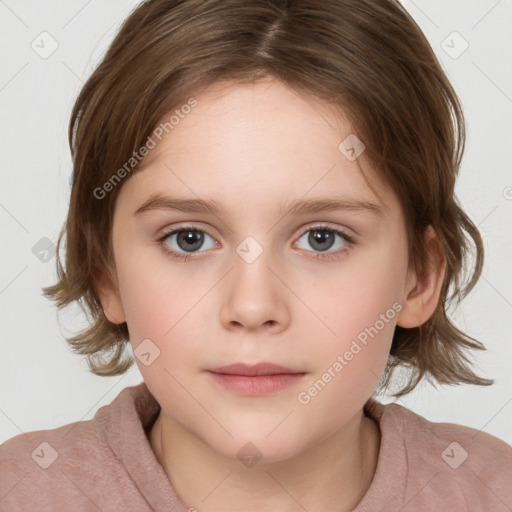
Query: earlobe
point(424, 291)
point(110, 300)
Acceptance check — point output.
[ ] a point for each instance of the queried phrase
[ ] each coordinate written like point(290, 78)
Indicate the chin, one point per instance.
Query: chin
point(252, 444)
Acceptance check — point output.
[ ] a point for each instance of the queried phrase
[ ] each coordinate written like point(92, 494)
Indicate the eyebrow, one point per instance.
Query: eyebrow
point(301, 206)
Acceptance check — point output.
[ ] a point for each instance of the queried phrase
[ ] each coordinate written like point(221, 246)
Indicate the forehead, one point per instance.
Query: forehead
point(245, 143)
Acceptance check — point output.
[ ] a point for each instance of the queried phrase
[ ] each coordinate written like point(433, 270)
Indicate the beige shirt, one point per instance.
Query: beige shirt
point(107, 464)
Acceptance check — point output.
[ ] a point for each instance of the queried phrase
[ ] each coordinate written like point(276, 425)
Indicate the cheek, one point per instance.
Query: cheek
point(358, 306)
point(353, 297)
point(162, 306)
point(349, 361)
point(161, 303)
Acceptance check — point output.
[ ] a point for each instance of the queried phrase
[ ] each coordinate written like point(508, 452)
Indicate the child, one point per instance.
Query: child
point(261, 130)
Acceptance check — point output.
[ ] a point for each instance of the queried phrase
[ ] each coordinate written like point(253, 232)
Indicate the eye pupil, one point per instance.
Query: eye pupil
point(192, 240)
point(319, 237)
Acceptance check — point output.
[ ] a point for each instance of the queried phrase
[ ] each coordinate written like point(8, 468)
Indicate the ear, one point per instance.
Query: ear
point(424, 289)
point(110, 298)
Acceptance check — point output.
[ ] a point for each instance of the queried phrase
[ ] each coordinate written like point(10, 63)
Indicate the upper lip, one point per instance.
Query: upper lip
point(253, 369)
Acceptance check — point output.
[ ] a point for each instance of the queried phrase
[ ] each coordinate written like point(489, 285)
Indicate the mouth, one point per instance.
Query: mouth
point(257, 379)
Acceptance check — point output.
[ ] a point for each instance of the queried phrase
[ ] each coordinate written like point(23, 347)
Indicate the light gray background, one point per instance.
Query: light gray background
point(43, 384)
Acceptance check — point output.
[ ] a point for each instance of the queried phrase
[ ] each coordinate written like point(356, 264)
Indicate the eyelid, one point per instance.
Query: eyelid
point(327, 226)
point(183, 227)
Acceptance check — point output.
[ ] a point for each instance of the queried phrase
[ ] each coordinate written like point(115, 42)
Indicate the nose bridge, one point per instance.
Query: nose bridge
point(251, 268)
point(254, 295)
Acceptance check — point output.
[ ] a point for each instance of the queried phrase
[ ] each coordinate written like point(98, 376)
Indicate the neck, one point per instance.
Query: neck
point(331, 475)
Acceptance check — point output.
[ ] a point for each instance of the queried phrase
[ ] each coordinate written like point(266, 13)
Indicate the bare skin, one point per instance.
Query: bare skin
point(255, 149)
point(269, 480)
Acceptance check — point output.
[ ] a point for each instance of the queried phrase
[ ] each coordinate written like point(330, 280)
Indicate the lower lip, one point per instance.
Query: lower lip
point(258, 385)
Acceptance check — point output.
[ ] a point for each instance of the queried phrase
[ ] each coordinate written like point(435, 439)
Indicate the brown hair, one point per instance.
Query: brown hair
point(367, 57)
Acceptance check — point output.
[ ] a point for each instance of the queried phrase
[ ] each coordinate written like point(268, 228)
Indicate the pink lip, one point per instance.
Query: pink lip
point(255, 380)
point(253, 369)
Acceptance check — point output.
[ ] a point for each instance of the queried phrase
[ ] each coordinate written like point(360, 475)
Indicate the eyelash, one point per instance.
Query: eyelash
point(350, 242)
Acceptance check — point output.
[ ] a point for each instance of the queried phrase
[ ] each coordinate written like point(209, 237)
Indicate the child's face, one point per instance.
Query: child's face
point(254, 149)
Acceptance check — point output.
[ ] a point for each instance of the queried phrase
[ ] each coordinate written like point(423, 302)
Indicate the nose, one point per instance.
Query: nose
point(254, 297)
